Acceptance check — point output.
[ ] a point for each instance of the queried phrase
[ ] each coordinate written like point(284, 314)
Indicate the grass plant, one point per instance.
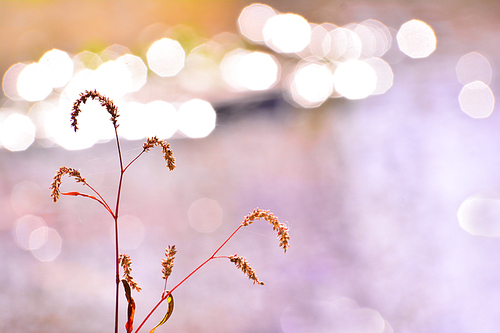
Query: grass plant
point(123, 261)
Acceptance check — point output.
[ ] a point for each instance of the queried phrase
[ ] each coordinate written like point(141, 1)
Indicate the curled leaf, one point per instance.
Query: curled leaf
point(131, 307)
point(170, 300)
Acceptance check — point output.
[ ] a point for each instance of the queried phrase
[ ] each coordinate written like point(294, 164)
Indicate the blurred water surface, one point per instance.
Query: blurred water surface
point(369, 188)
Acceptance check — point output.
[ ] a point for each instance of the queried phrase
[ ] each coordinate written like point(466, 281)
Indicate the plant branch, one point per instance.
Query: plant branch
point(165, 295)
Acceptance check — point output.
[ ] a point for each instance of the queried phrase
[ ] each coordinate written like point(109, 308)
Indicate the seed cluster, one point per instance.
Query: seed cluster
point(56, 184)
point(105, 101)
point(279, 227)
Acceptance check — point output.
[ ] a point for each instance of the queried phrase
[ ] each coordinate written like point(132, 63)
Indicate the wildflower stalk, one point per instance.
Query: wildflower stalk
point(55, 187)
point(124, 260)
point(240, 262)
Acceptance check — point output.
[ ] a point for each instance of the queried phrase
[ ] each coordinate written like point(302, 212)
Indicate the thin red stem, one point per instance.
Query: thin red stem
point(117, 253)
point(165, 296)
point(90, 197)
point(102, 199)
point(133, 160)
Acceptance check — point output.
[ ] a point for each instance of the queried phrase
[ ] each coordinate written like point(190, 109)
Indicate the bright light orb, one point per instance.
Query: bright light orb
point(17, 132)
point(9, 82)
point(335, 43)
point(477, 100)
point(480, 216)
point(316, 47)
point(287, 33)
point(385, 76)
point(196, 118)
point(113, 79)
point(245, 70)
point(257, 71)
point(137, 68)
point(50, 246)
point(133, 121)
point(60, 65)
point(161, 119)
point(35, 82)
point(90, 124)
point(416, 39)
point(473, 67)
point(252, 20)
point(166, 57)
point(25, 226)
point(314, 83)
point(355, 79)
point(382, 36)
point(230, 68)
point(205, 215)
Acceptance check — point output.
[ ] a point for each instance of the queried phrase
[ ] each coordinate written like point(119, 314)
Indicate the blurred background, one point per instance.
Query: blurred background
point(369, 127)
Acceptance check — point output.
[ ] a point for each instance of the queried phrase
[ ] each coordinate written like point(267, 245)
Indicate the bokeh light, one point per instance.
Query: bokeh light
point(32, 234)
point(480, 215)
point(38, 237)
point(93, 124)
point(138, 121)
point(161, 119)
point(25, 226)
point(9, 82)
point(132, 124)
point(202, 70)
point(86, 60)
point(381, 34)
point(137, 69)
point(355, 79)
point(255, 71)
point(38, 115)
point(334, 44)
point(416, 39)
point(473, 67)
point(113, 79)
point(49, 249)
point(60, 65)
point(81, 81)
point(252, 20)
point(17, 132)
point(205, 215)
point(316, 48)
point(366, 38)
point(196, 118)
point(312, 84)
point(166, 57)
point(477, 100)
point(35, 82)
point(287, 33)
point(27, 198)
point(383, 71)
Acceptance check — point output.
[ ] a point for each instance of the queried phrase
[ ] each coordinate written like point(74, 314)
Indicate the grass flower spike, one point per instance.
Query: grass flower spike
point(168, 262)
point(242, 264)
point(168, 154)
point(105, 102)
point(279, 227)
point(56, 184)
point(126, 264)
point(123, 276)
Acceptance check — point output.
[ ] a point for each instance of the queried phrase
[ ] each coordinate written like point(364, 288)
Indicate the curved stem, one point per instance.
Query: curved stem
point(117, 253)
point(90, 197)
point(102, 201)
point(133, 160)
point(165, 295)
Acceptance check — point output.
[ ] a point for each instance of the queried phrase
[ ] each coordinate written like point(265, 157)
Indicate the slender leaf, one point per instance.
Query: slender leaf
point(131, 307)
point(170, 300)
